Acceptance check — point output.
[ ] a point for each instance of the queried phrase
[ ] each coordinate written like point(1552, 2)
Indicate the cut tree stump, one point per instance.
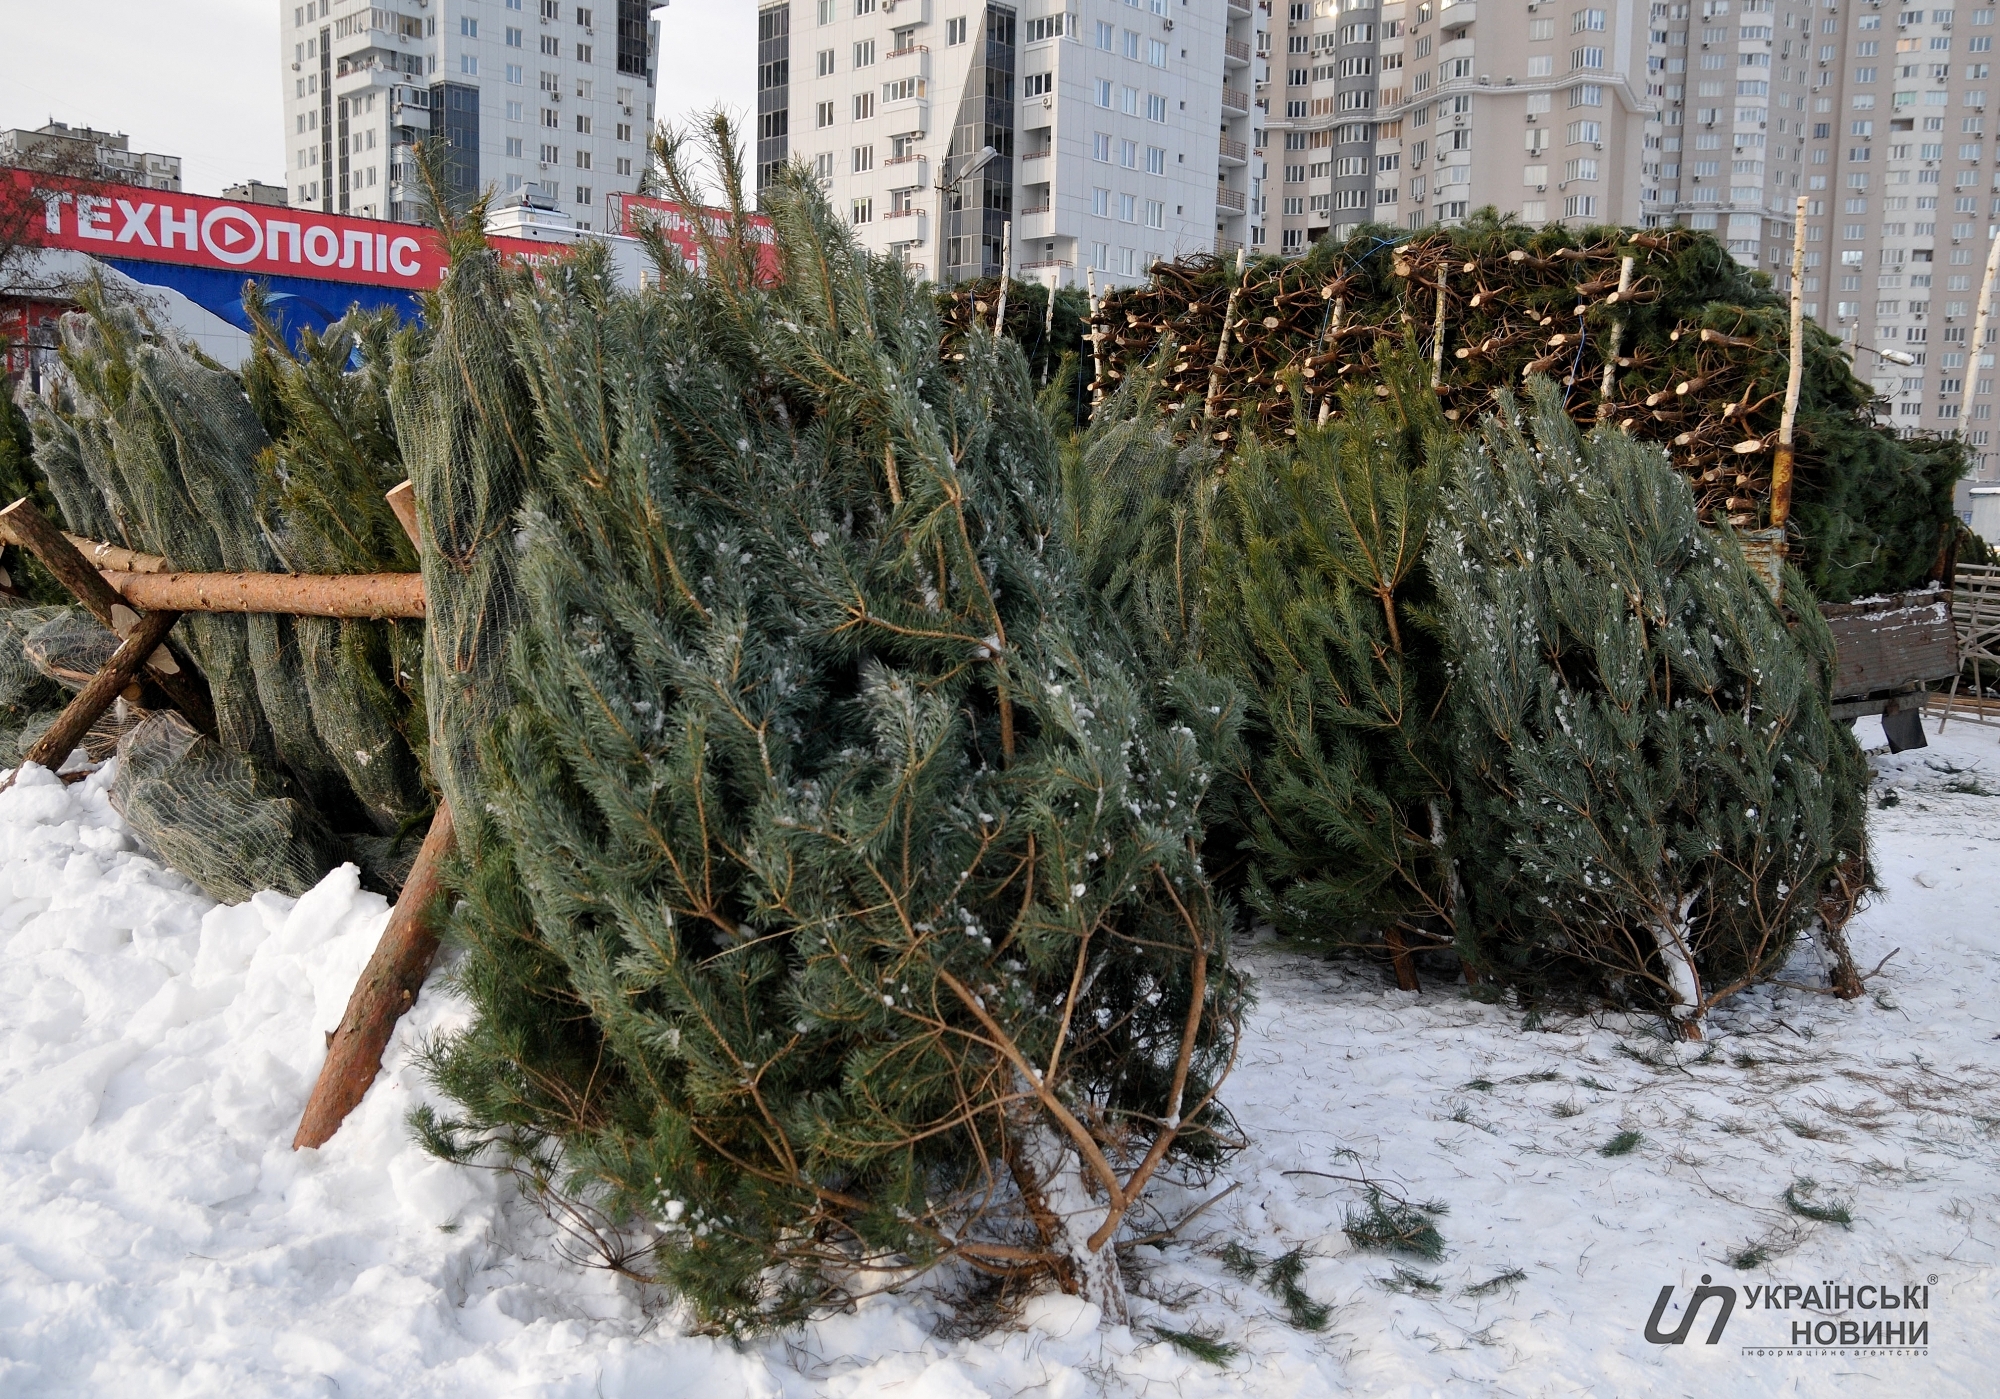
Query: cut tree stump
point(388, 987)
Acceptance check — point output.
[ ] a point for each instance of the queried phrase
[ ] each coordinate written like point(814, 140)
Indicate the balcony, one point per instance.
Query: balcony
point(1239, 9)
point(1226, 246)
point(1234, 152)
point(1044, 263)
point(1235, 53)
point(911, 169)
point(1236, 102)
point(1028, 209)
point(1229, 199)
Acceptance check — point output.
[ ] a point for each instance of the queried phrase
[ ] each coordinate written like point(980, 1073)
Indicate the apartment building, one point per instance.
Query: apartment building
point(89, 153)
point(1120, 128)
point(1417, 112)
point(1905, 188)
point(545, 98)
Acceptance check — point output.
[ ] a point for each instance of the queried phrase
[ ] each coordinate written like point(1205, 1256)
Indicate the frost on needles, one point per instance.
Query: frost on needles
point(836, 909)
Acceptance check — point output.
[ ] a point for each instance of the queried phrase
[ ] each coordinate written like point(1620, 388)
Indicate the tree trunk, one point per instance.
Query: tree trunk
point(388, 987)
point(1050, 1176)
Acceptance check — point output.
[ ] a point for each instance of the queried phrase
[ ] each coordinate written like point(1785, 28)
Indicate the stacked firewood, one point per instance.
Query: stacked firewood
point(1656, 333)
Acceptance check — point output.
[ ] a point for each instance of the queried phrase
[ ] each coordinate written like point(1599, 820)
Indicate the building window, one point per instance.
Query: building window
point(551, 46)
point(582, 124)
point(1578, 206)
point(1128, 154)
point(1156, 214)
point(516, 76)
point(824, 64)
point(1156, 160)
point(1156, 107)
point(468, 27)
point(583, 194)
point(1038, 84)
point(864, 53)
point(1156, 53)
point(1105, 35)
point(864, 105)
point(1101, 92)
point(1100, 256)
point(468, 64)
point(954, 32)
point(823, 114)
point(583, 53)
point(863, 159)
point(551, 155)
point(552, 119)
point(1587, 20)
point(514, 147)
point(583, 160)
point(1128, 208)
point(862, 211)
point(516, 38)
point(1100, 147)
point(1100, 203)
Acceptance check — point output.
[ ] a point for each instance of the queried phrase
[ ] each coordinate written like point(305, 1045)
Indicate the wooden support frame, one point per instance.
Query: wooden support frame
point(23, 525)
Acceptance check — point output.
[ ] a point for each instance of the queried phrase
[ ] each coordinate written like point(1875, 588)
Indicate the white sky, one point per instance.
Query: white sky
point(200, 79)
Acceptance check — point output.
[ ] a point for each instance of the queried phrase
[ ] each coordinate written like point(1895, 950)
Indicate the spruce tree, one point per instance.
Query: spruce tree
point(840, 908)
point(1652, 792)
point(1318, 605)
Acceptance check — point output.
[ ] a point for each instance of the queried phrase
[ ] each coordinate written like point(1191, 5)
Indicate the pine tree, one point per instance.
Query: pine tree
point(1317, 604)
point(1652, 792)
point(851, 917)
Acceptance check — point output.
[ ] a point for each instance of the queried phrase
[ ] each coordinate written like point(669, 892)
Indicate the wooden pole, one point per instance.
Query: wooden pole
point(1096, 344)
point(1326, 399)
point(1222, 344)
point(22, 524)
point(1049, 327)
point(1978, 338)
point(112, 557)
point(1006, 264)
point(1781, 460)
point(403, 501)
point(1617, 337)
point(395, 972)
point(388, 987)
point(74, 722)
point(1437, 330)
point(294, 594)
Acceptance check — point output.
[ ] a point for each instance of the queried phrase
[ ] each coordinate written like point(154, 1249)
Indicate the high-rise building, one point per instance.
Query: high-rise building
point(1120, 129)
point(547, 98)
point(1905, 191)
point(89, 154)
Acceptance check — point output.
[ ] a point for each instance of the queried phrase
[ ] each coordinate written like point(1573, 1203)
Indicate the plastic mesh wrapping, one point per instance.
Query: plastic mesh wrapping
point(464, 419)
point(149, 445)
point(26, 694)
point(212, 816)
point(70, 647)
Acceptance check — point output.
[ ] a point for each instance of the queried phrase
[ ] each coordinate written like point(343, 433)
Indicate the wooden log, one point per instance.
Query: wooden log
point(296, 594)
point(93, 699)
point(388, 987)
point(403, 500)
point(115, 558)
point(1891, 643)
point(22, 524)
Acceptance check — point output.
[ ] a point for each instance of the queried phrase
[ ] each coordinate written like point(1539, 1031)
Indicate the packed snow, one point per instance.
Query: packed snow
point(160, 1237)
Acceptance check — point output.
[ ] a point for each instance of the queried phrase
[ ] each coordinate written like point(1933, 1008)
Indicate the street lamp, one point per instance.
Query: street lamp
point(944, 190)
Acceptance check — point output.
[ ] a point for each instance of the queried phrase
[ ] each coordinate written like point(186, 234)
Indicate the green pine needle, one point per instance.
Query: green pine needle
point(1624, 1144)
point(1201, 1347)
point(1830, 1212)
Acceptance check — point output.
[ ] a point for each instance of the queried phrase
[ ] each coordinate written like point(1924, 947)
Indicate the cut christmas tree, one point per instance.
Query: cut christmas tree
point(838, 910)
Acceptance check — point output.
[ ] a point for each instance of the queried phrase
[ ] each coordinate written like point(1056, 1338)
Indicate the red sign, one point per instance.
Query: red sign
point(634, 213)
point(254, 239)
point(262, 240)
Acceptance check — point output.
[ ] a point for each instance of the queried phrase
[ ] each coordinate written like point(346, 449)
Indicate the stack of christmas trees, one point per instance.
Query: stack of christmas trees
point(1660, 333)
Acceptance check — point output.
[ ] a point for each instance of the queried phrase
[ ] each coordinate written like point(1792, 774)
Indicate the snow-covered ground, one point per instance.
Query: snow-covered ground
point(159, 1238)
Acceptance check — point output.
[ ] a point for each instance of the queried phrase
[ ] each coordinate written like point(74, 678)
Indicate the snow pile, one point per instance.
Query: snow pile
point(160, 1238)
